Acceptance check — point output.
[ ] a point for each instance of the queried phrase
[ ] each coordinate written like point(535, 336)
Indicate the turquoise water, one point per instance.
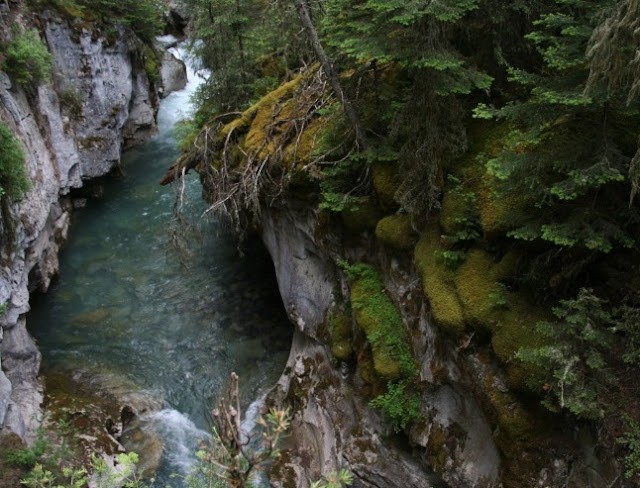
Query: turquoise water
point(125, 309)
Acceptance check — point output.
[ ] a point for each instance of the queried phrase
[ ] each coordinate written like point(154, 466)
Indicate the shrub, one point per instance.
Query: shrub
point(631, 439)
point(28, 60)
point(145, 17)
point(399, 405)
point(13, 176)
point(575, 355)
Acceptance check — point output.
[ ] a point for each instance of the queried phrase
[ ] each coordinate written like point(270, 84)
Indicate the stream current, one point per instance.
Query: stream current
point(125, 309)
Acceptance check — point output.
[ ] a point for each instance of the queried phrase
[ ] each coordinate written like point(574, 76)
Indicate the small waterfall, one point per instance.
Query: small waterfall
point(180, 436)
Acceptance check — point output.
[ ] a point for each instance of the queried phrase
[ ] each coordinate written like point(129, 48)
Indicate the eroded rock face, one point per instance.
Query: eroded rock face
point(109, 99)
point(173, 74)
point(472, 426)
point(73, 129)
point(334, 426)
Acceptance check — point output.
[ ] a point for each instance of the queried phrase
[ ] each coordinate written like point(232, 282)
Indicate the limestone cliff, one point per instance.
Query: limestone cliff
point(100, 100)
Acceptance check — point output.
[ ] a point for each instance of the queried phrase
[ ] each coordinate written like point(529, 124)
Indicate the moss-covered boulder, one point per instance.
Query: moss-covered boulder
point(360, 218)
point(396, 231)
point(341, 336)
point(386, 182)
point(473, 296)
point(438, 284)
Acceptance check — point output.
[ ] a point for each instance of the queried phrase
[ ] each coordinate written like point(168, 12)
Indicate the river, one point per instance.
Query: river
point(127, 310)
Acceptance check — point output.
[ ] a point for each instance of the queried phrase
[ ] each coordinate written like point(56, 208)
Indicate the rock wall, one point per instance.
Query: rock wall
point(334, 427)
point(99, 102)
point(459, 442)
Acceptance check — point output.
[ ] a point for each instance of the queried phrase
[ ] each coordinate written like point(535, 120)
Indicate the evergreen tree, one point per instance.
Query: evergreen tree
point(248, 46)
point(568, 154)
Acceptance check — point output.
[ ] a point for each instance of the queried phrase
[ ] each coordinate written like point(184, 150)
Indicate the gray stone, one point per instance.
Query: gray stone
point(173, 73)
point(5, 81)
point(305, 276)
point(5, 396)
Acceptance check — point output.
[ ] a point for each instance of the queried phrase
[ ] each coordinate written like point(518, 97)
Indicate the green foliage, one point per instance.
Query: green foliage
point(399, 404)
point(145, 17)
point(631, 439)
point(575, 357)
point(39, 477)
point(14, 181)
point(124, 476)
point(335, 479)
point(103, 475)
point(378, 316)
point(629, 324)
point(567, 151)
point(29, 456)
point(403, 32)
point(27, 59)
point(248, 46)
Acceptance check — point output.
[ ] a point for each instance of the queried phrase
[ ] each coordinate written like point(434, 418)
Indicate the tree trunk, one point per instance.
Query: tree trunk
point(305, 18)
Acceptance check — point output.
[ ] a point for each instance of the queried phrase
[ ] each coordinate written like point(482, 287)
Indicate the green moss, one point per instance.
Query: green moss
point(453, 205)
point(473, 295)
point(151, 64)
point(381, 322)
point(396, 231)
point(360, 218)
point(519, 435)
point(436, 452)
point(516, 329)
point(341, 336)
point(263, 131)
point(438, 284)
point(386, 182)
point(273, 109)
point(367, 370)
point(479, 289)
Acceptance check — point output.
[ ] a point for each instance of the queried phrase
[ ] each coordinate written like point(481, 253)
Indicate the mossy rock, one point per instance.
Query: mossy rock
point(260, 131)
point(436, 450)
point(378, 317)
point(341, 336)
point(515, 329)
point(479, 290)
point(520, 435)
point(151, 63)
point(386, 182)
point(396, 231)
point(371, 323)
point(453, 206)
point(374, 384)
point(438, 284)
point(360, 218)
